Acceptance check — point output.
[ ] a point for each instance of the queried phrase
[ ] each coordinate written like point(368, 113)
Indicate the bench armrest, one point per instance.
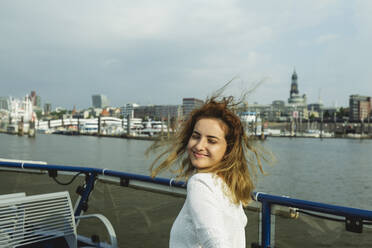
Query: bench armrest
point(107, 224)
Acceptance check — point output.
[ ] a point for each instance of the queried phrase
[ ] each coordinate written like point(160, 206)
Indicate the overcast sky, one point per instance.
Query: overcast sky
point(157, 52)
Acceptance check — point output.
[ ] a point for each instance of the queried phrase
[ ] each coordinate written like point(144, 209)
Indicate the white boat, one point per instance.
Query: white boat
point(313, 133)
point(151, 128)
point(273, 132)
point(44, 130)
point(89, 126)
point(327, 135)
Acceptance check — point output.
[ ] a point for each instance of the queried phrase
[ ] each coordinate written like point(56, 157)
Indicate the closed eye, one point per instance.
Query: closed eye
point(195, 136)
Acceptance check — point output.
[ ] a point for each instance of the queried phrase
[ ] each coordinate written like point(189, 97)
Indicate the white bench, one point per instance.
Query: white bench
point(33, 219)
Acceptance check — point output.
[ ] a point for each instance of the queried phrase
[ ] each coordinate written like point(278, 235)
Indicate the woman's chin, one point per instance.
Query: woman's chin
point(197, 165)
point(200, 165)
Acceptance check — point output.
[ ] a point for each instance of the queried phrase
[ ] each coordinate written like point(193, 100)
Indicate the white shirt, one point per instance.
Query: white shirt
point(208, 219)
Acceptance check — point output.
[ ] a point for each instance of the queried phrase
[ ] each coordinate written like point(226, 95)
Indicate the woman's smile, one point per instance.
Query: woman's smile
point(199, 155)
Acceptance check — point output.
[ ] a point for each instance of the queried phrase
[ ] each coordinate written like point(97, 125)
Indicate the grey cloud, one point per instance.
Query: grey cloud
point(159, 52)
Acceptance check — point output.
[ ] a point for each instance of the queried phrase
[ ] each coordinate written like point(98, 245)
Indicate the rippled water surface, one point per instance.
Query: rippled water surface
point(337, 171)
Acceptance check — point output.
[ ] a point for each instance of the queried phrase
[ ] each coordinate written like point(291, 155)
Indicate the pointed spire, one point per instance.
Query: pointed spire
point(294, 75)
point(294, 86)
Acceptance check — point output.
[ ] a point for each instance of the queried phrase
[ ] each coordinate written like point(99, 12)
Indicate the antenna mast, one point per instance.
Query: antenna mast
point(319, 97)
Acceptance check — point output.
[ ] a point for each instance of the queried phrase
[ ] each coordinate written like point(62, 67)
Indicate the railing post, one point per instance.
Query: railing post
point(83, 201)
point(266, 224)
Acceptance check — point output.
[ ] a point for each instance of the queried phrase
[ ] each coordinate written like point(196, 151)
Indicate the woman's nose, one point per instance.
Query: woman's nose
point(200, 145)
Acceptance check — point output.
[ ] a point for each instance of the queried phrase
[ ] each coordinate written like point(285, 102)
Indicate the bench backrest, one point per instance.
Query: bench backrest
point(14, 195)
point(32, 219)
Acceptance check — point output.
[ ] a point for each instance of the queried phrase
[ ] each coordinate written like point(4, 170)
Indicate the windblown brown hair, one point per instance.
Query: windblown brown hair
point(238, 168)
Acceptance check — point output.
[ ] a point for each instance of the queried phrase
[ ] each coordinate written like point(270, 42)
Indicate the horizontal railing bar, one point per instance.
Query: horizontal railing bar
point(284, 201)
point(105, 172)
point(314, 206)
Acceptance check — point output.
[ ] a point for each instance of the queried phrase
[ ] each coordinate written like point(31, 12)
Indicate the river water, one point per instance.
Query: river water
point(335, 171)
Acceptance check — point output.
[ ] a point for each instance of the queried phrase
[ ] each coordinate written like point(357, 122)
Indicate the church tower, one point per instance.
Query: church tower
point(294, 94)
point(294, 85)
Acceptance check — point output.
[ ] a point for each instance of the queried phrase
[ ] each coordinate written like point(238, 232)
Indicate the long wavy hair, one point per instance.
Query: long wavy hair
point(238, 168)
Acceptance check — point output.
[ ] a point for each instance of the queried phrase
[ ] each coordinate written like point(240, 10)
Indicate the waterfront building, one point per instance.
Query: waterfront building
point(189, 104)
point(297, 104)
point(95, 112)
point(89, 113)
point(265, 111)
point(21, 109)
point(317, 107)
point(77, 114)
point(359, 107)
point(60, 109)
point(165, 111)
point(294, 111)
point(4, 103)
point(157, 112)
point(329, 113)
point(144, 112)
point(47, 108)
point(278, 104)
point(115, 112)
point(85, 114)
point(315, 110)
point(128, 109)
point(294, 95)
point(35, 99)
point(38, 102)
point(278, 111)
point(105, 112)
point(99, 101)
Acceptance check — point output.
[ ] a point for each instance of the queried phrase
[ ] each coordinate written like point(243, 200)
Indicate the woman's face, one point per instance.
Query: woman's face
point(207, 144)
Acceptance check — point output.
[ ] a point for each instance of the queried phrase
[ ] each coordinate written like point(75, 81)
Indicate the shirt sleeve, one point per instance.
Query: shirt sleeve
point(206, 212)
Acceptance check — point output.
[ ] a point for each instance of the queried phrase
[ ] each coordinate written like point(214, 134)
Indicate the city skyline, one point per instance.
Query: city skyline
point(159, 53)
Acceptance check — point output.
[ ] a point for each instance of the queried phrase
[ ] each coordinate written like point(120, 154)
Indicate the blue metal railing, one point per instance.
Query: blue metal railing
point(96, 171)
point(266, 200)
point(91, 176)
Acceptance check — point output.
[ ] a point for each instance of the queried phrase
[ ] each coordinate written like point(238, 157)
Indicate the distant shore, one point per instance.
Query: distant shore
point(282, 130)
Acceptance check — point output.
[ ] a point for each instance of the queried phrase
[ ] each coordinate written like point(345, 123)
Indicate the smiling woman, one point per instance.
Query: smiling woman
point(207, 144)
point(214, 154)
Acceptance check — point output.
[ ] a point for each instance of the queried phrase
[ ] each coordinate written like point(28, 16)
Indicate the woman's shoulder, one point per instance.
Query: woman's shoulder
point(210, 185)
point(209, 180)
point(203, 177)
